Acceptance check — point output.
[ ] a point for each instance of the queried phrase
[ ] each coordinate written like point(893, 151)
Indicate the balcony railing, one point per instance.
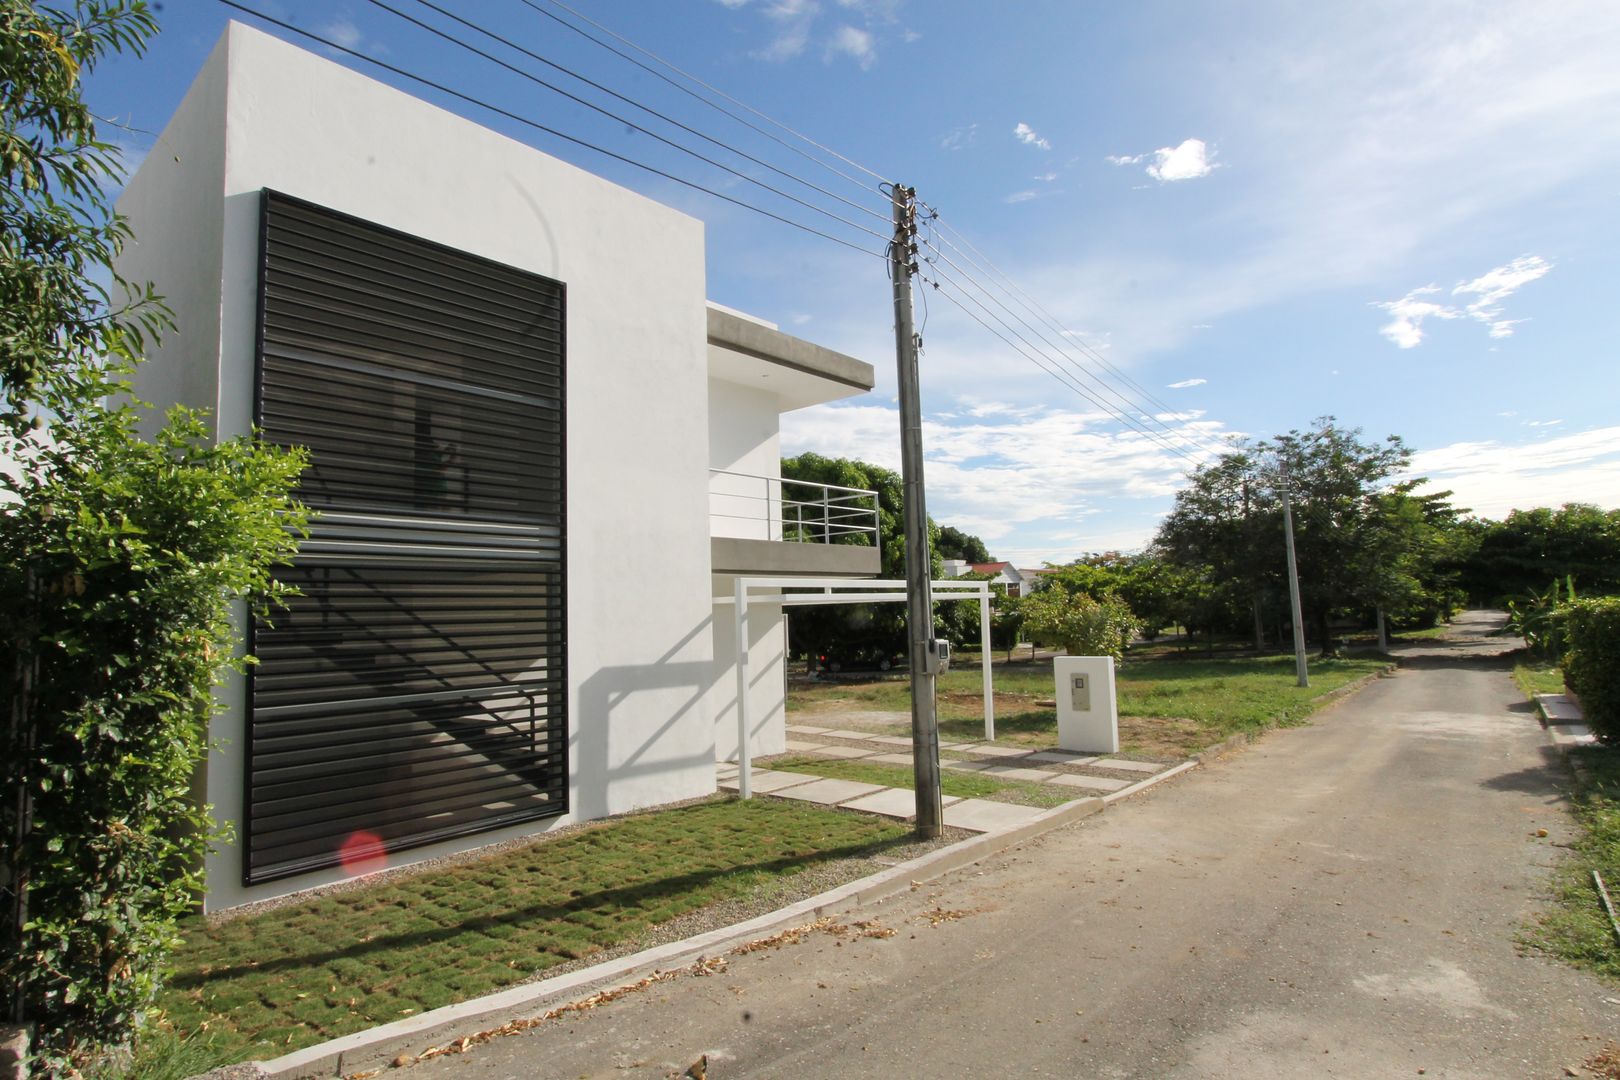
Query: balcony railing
point(770, 508)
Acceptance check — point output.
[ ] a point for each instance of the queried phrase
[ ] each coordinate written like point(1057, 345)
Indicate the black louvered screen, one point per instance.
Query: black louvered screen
point(415, 691)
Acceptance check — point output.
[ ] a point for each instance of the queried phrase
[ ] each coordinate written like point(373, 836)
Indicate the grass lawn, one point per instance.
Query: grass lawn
point(1167, 707)
point(1538, 677)
point(1578, 929)
point(266, 984)
point(958, 784)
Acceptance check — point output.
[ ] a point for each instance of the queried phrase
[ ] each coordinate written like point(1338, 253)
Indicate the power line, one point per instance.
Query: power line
point(609, 113)
point(636, 104)
point(712, 89)
point(536, 125)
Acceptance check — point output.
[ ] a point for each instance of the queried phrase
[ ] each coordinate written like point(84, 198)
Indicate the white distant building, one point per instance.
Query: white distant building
point(540, 457)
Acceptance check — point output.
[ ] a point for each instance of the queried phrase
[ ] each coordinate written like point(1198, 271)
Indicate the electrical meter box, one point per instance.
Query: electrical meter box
point(1088, 715)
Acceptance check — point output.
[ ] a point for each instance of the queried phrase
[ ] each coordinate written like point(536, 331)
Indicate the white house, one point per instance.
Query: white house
point(1012, 580)
point(540, 458)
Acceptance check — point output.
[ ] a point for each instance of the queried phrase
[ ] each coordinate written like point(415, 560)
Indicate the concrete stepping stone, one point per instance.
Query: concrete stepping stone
point(805, 729)
point(1148, 767)
point(892, 740)
point(967, 766)
point(981, 815)
point(765, 781)
point(991, 750)
point(1014, 772)
point(892, 802)
point(838, 734)
point(845, 752)
point(1063, 757)
point(799, 746)
point(891, 759)
point(1090, 783)
point(829, 792)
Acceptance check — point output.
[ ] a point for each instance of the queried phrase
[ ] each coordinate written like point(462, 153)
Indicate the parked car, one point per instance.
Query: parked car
point(861, 656)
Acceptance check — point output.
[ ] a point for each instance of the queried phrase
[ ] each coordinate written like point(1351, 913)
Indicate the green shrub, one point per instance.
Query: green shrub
point(1592, 665)
point(1083, 625)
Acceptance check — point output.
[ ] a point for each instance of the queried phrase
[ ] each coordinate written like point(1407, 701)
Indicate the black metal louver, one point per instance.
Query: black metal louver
point(416, 690)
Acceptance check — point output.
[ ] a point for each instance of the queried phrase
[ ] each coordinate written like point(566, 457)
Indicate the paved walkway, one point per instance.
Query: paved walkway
point(1080, 774)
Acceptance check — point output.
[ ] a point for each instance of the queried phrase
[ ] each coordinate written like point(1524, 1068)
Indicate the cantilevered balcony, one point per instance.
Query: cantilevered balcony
point(768, 525)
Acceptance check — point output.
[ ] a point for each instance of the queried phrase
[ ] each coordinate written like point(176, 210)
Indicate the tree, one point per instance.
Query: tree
point(1350, 534)
point(956, 544)
point(119, 562)
point(1530, 549)
point(1082, 624)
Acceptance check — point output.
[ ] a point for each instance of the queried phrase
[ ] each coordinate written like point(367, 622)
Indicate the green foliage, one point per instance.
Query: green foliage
point(1592, 665)
point(1083, 625)
point(953, 543)
point(1539, 618)
point(119, 562)
point(1521, 553)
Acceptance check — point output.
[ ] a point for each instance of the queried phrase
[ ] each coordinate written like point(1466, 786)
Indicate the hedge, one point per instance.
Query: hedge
point(1592, 665)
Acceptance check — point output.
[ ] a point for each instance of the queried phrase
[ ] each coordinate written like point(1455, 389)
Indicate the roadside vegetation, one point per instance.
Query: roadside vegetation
point(1576, 928)
point(961, 785)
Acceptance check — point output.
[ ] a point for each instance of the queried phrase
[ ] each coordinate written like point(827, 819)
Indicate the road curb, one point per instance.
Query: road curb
point(378, 1047)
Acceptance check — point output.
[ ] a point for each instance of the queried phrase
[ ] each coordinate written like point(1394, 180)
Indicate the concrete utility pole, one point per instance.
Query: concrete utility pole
point(919, 590)
point(1293, 580)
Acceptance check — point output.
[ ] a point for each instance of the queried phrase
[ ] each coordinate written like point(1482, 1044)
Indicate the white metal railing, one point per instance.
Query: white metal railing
point(771, 508)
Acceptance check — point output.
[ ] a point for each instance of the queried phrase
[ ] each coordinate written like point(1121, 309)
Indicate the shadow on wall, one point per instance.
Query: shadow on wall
point(592, 749)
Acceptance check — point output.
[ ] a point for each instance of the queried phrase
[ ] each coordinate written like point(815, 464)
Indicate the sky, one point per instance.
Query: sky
point(1159, 225)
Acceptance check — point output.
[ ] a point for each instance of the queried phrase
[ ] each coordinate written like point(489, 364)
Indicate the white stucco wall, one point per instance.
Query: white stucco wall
point(744, 438)
point(264, 114)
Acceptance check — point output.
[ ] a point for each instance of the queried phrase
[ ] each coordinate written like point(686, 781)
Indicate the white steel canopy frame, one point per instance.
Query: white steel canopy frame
point(817, 591)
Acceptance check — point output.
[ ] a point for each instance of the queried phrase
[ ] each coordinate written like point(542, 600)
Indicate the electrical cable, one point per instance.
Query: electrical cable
point(636, 104)
point(713, 90)
point(536, 125)
point(616, 117)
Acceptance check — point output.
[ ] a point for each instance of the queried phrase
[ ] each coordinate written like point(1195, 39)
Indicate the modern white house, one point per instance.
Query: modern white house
point(540, 461)
point(1013, 581)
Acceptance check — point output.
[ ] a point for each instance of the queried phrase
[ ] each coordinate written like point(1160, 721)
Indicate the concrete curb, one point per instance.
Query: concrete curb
point(379, 1046)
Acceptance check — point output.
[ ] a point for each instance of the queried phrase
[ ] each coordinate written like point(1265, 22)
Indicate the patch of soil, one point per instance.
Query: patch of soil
point(1162, 737)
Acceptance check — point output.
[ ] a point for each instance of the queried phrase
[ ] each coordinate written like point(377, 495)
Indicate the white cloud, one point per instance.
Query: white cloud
point(961, 138)
point(855, 43)
point(1405, 327)
point(1492, 478)
point(1019, 196)
point(343, 32)
point(1491, 288)
point(1188, 161)
point(794, 19)
point(1542, 423)
point(1184, 383)
point(1116, 159)
point(1045, 177)
point(1026, 135)
point(732, 4)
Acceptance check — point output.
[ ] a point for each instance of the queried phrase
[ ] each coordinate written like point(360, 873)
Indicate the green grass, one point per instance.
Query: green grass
point(267, 984)
point(958, 784)
point(1538, 677)
point(1577, 929)
point(1166, 706)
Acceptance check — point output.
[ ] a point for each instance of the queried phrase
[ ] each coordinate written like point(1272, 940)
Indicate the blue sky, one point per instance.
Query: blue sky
point(1405, 214)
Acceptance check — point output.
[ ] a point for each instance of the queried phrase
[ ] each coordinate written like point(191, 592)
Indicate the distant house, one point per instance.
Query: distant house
point(541, 460)
point(1009, 577)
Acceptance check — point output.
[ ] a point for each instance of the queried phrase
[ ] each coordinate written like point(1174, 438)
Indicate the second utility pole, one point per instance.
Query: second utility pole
point(919, 562)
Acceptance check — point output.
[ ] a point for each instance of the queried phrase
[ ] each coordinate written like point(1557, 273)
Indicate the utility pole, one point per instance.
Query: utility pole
point(1293, 580)
point(919, 588)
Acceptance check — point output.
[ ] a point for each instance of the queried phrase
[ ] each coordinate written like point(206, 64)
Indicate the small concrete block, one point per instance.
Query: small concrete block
point(991, 750)
point(1014, 772)
point(806, 729)
point(890, 802)
point(892, 740)
point(1147, 767)
point(765, 781)
point(1062, 757)
point(981, 815)
point(967, 766)
point(841, 734)
point(891, 759)
point(829, 792)
point(14, 1041)
point(799, 746)
point(1089, 783)
point(843, 752)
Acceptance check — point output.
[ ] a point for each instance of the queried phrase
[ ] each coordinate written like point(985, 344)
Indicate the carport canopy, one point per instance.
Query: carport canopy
point(821, 591)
